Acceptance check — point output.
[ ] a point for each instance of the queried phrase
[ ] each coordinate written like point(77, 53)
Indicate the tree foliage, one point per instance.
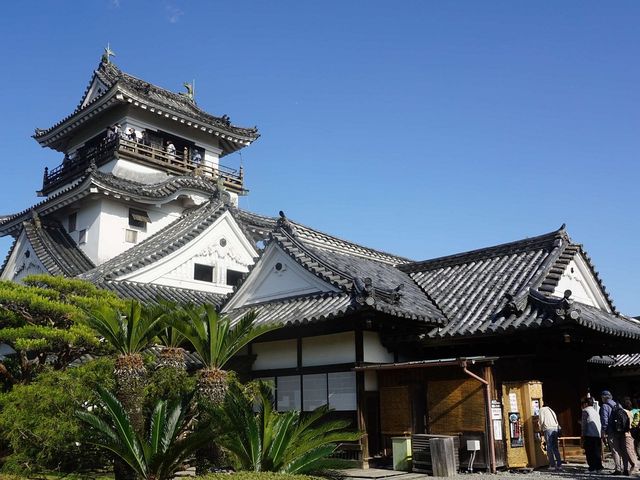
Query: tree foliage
point(43, 320)
point(37, 420)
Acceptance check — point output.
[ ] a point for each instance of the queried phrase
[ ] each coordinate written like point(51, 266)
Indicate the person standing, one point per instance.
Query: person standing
point(623, 439)
point(591, 435)
point(607, 429)
point(196, 157)
point(635, 425)
point(548, 423)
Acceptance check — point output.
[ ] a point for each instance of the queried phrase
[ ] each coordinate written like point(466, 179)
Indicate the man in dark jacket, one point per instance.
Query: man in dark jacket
point(607, 429)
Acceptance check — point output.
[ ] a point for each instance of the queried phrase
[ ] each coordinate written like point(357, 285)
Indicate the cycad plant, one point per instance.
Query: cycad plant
point(159, 454)
point(215, 341)
point(129, 332)
point(286, 442)
point(172, 353)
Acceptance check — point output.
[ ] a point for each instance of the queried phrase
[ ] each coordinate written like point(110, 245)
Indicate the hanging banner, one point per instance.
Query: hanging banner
point(497, 429)
point(496, 410)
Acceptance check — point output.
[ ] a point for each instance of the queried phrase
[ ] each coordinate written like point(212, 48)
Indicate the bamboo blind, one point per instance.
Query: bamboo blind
point(455, 406)
point(395, 410)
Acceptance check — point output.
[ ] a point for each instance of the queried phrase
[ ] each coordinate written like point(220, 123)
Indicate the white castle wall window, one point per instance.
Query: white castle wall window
point(204, 273)
point(138, 218)
point(130, 236)
point(234, 277)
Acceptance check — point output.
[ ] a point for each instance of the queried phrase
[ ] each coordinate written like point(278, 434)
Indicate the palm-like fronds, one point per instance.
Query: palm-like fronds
point(168, 336)
point(162, 452)
point(129, 332)
point(287, 442)
point(212, 336)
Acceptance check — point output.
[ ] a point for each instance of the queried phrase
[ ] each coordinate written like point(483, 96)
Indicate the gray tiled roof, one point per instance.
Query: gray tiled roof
point(108, 182)
point(392, 291)
point(56, 249)
point(472, 288)
point(539, 311)
point(262, 224)
point(156, 190)
point(150, 293)
point(629, 360)
point(300, 310)
point(607, 360)
point(168, 240)
point(8, 255)
point(114, 79)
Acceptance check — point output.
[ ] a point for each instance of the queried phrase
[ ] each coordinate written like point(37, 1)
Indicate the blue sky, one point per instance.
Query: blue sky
point(421, 128)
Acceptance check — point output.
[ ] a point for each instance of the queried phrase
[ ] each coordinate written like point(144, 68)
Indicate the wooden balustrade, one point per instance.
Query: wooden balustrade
point(178, 163)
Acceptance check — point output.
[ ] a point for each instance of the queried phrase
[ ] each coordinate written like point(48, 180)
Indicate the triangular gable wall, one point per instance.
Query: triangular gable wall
point(22, 261)
point(585, 288)
point(277, 276)
point(96, 89)
point(222, 246)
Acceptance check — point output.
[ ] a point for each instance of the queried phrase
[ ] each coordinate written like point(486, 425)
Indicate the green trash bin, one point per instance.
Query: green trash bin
point(401, 448)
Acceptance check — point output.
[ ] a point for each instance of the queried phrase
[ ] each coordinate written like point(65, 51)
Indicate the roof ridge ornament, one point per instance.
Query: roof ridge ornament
point(512, 307)
point(36, 219)
point(108, 53)
point(396, 295)
point(190, 94)
point(220, 193)
point(285, 224)
point(365, 293)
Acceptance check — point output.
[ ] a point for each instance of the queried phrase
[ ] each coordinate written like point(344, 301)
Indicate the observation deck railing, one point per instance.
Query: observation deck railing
point(179, 163)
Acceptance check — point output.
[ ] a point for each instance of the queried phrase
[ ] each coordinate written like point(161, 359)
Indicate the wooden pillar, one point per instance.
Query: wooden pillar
point(489, 394)
point(360, 397)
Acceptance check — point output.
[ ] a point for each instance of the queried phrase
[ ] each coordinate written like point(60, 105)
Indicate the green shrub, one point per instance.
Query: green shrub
point(269, 441)
point(167, 384)
point(38, 421)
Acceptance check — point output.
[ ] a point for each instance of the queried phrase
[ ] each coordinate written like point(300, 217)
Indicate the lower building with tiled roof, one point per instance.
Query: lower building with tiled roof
point(141, 206)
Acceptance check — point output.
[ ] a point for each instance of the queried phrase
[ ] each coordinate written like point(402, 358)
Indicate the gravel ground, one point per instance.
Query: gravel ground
point(569, 471)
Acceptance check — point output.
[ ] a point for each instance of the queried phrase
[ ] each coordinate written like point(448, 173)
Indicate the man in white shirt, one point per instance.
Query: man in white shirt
point(548, 423)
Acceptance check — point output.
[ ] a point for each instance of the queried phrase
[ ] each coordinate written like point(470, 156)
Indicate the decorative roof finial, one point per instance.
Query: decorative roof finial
point(36, 219)
point(284, 223)
point(108, 53)
point(191, 90)
point(221, 193)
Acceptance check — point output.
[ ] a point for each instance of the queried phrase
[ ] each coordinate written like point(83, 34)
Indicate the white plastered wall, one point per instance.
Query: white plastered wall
point(329, 349)
point(20, 264)
point(276, 276)
point(584, 287)
point(106, 221)
point(177, 269)
point(278, 354)
point(373, 350)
